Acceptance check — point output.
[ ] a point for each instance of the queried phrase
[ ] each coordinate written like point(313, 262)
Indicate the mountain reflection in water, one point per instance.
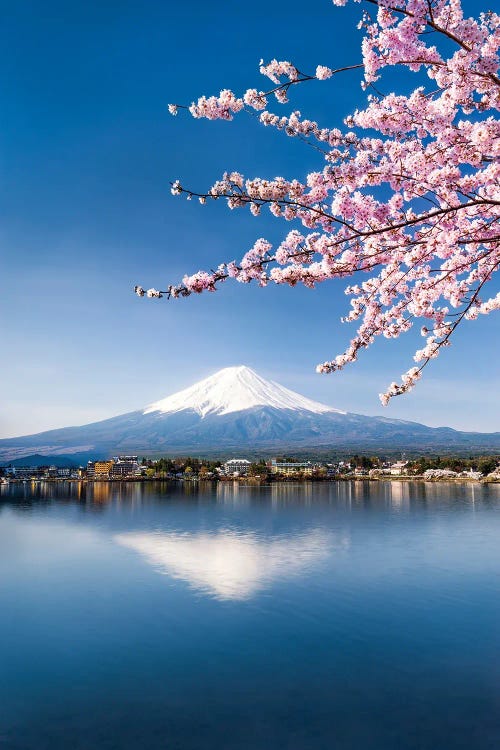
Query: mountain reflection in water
point(230, 565)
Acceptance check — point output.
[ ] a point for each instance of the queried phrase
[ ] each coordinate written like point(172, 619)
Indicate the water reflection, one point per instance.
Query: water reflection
point(230, 565)
point(394, 496)
point(347, 615)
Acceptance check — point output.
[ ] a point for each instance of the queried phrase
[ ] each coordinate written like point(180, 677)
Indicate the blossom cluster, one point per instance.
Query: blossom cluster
point(407, 190)
point(147, 292)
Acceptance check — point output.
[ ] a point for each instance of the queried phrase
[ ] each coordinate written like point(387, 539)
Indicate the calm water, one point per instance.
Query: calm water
point(352, 616)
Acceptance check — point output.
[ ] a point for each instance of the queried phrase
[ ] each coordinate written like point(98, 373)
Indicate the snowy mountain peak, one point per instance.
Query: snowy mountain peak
point(235, 389)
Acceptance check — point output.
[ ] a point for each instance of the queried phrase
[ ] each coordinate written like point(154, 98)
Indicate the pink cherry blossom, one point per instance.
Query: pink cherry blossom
point(407, 191)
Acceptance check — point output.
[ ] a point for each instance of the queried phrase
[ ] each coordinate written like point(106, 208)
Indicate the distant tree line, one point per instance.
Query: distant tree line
point(259, 468)
point(185, 465)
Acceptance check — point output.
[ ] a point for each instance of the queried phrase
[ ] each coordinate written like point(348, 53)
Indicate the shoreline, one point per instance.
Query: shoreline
point(252, 482)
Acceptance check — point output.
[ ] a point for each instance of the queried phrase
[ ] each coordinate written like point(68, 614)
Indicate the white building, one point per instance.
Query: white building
point(236, 467)
point(398, 468)
point(125, 466)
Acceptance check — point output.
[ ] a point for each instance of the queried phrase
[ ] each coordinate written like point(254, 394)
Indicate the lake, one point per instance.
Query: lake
point(335, 616)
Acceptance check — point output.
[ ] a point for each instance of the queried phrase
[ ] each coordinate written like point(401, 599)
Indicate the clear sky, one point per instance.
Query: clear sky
point(87, 151)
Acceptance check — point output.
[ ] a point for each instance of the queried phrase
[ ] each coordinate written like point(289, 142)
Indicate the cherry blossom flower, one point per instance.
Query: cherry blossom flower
point(406, 192)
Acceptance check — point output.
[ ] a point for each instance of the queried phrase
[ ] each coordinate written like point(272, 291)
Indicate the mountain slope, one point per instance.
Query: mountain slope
point(236, 389)
point(236, 410)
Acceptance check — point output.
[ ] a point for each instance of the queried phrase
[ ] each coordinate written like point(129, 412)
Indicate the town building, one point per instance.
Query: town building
point(99, 469)
point(125, 466)
point(59, 472)
point(398, 468)
point(290, 468)
point(236, 467)
point(27, 472)
point(115, 468)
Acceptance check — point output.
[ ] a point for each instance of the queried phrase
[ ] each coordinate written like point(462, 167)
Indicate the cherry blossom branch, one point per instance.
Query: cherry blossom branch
point(429, 21)
point(223, 106)
point(408, 192)
point(431, 351)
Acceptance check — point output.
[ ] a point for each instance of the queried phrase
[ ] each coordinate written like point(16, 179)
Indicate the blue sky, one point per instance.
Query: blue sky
point(87, 149)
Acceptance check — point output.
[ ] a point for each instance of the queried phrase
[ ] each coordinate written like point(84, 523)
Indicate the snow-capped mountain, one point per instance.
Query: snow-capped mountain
point(235, 389)
point(237, 410)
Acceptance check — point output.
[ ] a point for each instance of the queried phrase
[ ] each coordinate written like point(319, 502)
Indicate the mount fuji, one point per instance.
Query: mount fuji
point(237, 410)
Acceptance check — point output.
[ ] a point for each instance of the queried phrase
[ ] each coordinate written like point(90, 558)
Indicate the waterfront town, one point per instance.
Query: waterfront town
point(133, 468)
